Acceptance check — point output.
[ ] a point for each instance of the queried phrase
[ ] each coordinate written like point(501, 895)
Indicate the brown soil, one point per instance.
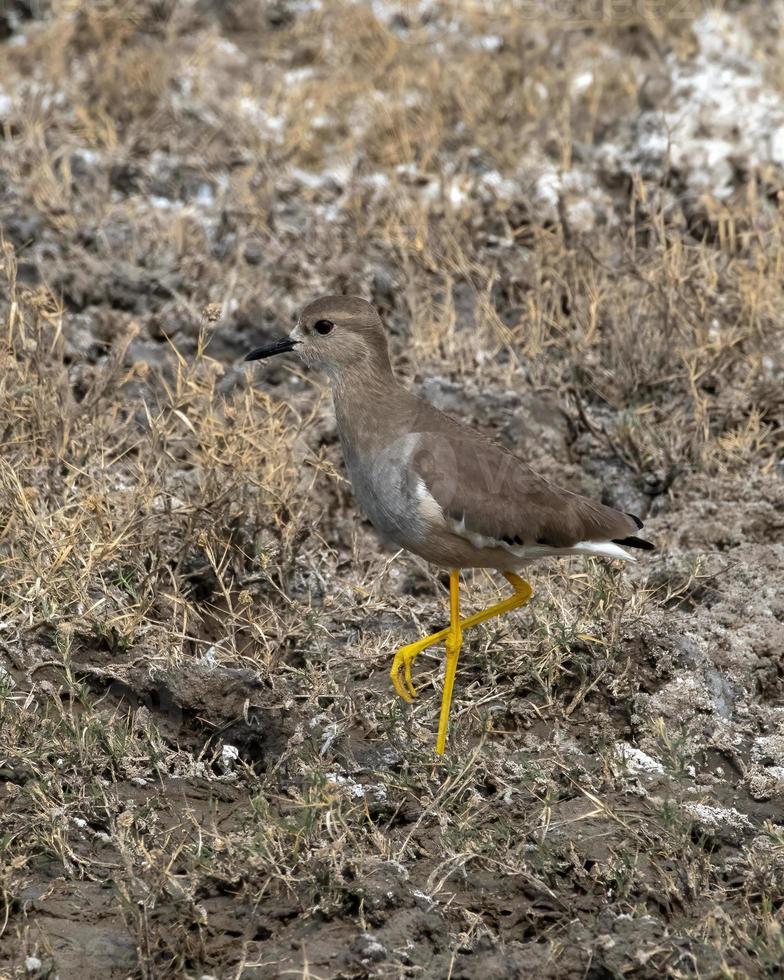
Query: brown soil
point(204, 770)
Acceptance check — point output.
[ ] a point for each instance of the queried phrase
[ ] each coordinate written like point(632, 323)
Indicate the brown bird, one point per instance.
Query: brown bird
point(435, 486)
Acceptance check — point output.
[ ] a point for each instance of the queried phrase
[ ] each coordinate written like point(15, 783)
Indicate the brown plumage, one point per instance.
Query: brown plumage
point(432, 485)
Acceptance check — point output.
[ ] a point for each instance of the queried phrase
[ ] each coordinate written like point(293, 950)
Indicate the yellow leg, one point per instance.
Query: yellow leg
point(454, 641)
point(406, 655)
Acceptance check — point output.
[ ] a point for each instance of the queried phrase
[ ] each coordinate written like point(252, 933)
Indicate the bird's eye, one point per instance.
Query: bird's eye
point(323, 327)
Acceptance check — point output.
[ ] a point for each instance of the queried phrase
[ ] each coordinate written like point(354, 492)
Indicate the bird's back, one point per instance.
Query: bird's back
point(420, 474)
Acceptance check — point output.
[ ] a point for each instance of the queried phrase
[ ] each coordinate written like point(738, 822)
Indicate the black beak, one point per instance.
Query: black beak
point(279, 347)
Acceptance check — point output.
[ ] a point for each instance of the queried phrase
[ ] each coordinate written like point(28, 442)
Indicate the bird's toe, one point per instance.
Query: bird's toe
point(401, 676)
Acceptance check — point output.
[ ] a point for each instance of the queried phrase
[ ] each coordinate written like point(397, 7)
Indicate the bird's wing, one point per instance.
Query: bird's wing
point(482, 490)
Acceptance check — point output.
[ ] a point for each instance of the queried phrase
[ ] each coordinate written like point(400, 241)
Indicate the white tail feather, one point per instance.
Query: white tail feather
point(606, 548)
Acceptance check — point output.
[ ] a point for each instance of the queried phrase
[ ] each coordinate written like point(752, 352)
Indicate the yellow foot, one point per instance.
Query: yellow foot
point(405, 656)
point(401, 670)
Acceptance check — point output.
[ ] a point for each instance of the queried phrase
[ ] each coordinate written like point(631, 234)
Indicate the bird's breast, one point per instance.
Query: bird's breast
point(388, 490)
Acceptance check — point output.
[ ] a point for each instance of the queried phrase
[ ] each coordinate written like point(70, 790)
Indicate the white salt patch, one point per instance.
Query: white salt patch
point(354, 789)
point(5, 104)
point(339, 175)
point(296, 75)
point(501, 186)
point(768, 747)
point(456, 194)
point(582, 82)
point(87, 155)
point(720, 35)
point(636, 760)
point(358, 790)
point(164, 203)
point(722, 116)
point(383, 11)
point(205, 196)
point(583, 199)
point(229, 48)
point(717, 817)
point(272, 125)
point(581, 215)
point(548, 189)
point(249, 106)
point(380, 181)
point(777, 146)
point(487, 42)
point(163, 503)
point(431, 191)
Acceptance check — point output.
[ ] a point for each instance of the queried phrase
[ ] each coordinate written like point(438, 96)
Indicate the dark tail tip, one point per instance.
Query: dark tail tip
point(636, 520)
point(633, 542)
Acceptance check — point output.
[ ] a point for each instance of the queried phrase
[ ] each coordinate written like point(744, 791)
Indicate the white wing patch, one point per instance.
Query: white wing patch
point(431, 512)
point(531, 552)
point(428, 506)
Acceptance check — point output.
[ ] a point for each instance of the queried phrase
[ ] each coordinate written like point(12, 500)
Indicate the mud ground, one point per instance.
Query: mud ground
point(571, 219)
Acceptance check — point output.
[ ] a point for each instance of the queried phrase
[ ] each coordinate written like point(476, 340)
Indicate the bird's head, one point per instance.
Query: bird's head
point(342, 334)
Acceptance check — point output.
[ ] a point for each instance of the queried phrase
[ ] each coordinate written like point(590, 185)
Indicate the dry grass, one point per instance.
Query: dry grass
point(203, 767)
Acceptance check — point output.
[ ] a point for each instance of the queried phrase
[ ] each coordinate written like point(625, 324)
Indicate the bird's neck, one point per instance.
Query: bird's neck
point(363, 380)
point(364, 402)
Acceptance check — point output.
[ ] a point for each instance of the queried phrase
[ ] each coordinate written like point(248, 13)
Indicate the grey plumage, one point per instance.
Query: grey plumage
point(431, 484)
point(436, 487)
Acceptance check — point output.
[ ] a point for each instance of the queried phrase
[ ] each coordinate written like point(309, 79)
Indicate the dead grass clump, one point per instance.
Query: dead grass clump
point(115, 510)
point(198, 741)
